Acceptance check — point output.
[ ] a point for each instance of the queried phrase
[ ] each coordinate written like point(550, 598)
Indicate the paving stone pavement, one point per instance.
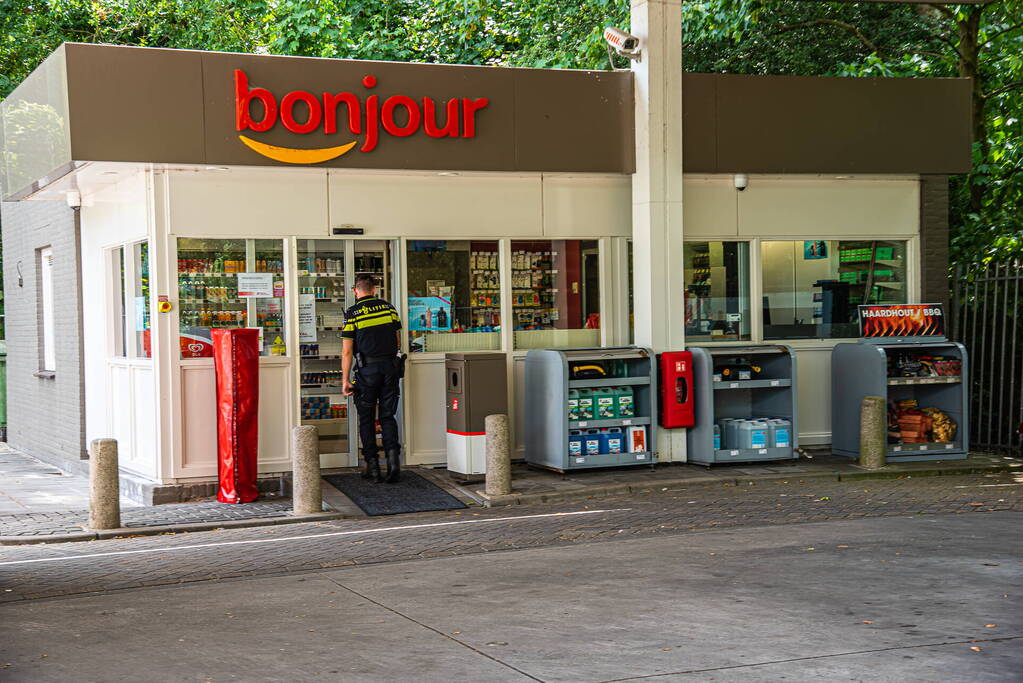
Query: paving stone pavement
point(30, 572)
point(73, 521)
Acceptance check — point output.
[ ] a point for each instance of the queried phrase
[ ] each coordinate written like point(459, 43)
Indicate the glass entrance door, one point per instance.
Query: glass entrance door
point(326, 271)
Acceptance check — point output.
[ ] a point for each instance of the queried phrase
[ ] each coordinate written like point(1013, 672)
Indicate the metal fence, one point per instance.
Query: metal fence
point(987, 317)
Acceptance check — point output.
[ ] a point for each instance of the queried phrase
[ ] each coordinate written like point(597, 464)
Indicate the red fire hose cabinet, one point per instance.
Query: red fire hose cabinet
point(236, 361)
point(676, 385)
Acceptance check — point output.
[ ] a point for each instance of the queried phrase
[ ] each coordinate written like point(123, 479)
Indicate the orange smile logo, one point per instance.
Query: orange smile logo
point(398, 115)
point(290, 155)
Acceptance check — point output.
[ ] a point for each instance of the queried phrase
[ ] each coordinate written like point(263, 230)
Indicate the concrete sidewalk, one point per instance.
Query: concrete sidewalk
point(530, 485)
point(920, 598)
point(28, 485)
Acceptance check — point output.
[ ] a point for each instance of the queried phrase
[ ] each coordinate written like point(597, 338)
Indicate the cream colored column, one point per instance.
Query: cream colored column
point(657, 187)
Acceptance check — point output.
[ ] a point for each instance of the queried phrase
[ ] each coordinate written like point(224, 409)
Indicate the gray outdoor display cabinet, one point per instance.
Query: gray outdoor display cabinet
point(548, 384)
point(860, 369)
point(770, 394)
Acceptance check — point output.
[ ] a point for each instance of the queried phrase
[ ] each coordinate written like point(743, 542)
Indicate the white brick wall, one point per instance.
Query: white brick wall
point(45, 417)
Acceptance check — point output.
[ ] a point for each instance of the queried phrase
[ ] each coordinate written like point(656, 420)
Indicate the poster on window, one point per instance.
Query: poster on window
point(196, 342)
point(255, 285)
point(815, 249)
point(307, 318)
point(429, 314)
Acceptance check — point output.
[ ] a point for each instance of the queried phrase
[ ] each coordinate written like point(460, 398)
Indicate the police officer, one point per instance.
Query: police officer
point(370, 340)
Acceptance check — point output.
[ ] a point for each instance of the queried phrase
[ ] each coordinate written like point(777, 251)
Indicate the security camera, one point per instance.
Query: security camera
point(625, 44)
point(741, 181)
point(73, 198)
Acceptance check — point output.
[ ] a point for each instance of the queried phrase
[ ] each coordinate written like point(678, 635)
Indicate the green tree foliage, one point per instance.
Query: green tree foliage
point(731, 36)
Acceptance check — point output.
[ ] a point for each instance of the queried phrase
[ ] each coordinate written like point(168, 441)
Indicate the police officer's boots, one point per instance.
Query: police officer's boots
point(393, 464)
point(372, 471)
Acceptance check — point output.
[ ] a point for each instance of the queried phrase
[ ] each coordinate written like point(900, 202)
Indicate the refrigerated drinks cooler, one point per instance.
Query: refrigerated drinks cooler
point(745, 404)
point(923, 381)
point(589, 408)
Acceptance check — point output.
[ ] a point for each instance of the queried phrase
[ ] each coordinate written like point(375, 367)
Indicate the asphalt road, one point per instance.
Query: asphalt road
point(878, 580)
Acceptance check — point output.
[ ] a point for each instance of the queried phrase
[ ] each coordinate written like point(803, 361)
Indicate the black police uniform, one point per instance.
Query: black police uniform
point(372, 324)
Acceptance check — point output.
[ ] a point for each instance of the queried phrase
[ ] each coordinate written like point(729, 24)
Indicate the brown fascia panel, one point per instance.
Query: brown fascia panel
point(177, 106)
point(794, 124)
point(135, 104)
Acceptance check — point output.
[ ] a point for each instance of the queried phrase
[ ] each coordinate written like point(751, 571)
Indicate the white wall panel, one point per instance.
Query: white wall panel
point(144, 419)
point(424, 384)
point(709, 208)
point(119, 395)
point(198, 456)
point(198, 408)
point(437, 206)
point(823, 208)
point(587, 206)
point(248, 202)
point(276, 393)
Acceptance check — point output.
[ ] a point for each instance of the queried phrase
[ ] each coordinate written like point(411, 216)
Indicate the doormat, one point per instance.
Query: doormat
point(412, 493)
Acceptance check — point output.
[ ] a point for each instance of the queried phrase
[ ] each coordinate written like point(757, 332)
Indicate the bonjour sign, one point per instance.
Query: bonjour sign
point(347, 115)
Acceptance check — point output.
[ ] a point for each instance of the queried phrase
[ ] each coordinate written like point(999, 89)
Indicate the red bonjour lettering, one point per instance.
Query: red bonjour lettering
point(450, 129)
point(330, 105)
point(371, 124)
point(387, 116)
point(288, 112)
point(469, 109)
point(243, 98)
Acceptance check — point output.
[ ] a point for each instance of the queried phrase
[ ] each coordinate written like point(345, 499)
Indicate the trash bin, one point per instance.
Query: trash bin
point(476, 385)
point(236, 361)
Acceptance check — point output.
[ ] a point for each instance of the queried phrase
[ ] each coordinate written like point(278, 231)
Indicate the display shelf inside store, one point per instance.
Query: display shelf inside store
point(322, 357)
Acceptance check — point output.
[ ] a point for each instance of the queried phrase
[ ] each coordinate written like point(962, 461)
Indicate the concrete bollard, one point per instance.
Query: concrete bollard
point(873, 432)
point(306, 492)
point(498, 456)
point(104, 485)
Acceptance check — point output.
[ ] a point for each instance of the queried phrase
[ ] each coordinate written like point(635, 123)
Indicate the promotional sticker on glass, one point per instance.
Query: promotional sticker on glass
point(815, 249)
point(429, 313)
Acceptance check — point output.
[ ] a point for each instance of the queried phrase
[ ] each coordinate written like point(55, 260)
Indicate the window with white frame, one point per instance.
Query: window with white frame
point(47, 349)
point(812, 288)
point(118, 312)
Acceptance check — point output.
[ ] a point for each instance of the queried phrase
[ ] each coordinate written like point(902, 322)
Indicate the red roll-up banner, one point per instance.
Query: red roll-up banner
point(236, 360)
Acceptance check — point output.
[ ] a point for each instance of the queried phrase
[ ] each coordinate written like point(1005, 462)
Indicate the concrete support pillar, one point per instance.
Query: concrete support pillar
point(306, 491)
point(873, 432)
point(657, 187)
point(498, 456)
point(104, 485)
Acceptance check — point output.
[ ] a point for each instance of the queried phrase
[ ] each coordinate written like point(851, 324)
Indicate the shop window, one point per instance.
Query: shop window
point(47, 351)
point(555, 292)
point(230, 284)
point(118, 278)
point(717, 306)
point(812, 288)
point(454, 295)
point(140, 300)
